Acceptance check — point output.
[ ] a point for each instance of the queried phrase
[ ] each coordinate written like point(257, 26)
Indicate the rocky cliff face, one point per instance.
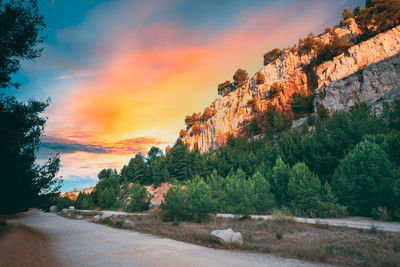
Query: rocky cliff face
point(73, 195)
point(368, 72)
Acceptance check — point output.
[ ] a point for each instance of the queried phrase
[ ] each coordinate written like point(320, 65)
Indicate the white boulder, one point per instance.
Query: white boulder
point(79, 217)
point(96, 218)
point(53, 208)
point(227, 236)
point(67, 212)
point(128, 224)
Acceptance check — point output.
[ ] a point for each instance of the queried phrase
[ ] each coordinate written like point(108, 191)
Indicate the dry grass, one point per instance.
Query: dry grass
point(318, 243)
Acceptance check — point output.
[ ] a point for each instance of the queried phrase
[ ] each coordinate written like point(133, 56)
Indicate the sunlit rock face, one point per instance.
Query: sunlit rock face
point(369, 72)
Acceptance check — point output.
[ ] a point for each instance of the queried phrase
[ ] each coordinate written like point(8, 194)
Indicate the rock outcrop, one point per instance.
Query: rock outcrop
point(368, 72)
point(73, 195)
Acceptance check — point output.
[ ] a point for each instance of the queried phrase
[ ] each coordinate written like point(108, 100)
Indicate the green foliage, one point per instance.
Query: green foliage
point(136, 170)
point(23, 182)
point(20, 28)
point(378, 16)
point(106, 198)
point(279, 180)
point(301, 104)
point(63, 202)
point(347, 14)
point(308, 197)
point(272, 55)
point(240, 196)
point(202, 204)
point(364, 179)
point(265, 200)
point(140, 199)
point(175, 205)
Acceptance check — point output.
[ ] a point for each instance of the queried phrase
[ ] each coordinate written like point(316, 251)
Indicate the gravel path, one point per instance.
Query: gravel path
point(352, 222)
point(81, 243)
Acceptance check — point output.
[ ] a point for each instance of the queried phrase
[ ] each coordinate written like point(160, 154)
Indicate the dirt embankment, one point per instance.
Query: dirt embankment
point(21, 245)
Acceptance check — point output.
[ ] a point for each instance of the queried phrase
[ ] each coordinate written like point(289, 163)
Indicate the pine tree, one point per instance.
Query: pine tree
point(364, 179)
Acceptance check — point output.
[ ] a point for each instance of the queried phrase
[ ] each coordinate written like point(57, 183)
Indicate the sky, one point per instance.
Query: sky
point(123, 74)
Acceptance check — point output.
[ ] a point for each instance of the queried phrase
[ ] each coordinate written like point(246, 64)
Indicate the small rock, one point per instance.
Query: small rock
point(357, 261)
point(79, 217)
point(227, 236)
point(153, 205)
point(53, 208)
point(96, 218)
point(128, 223)
point(66, 211)
point(71, 207)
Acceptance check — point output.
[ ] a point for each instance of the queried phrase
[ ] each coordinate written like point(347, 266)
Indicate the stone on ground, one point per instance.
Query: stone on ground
point(227, 236)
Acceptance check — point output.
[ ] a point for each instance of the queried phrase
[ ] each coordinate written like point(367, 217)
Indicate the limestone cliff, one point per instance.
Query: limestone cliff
point(73, 195)
point(368, 72)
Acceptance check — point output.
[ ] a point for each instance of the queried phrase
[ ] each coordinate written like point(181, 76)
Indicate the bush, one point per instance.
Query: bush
point(274, 90)
point(364, 179)
point(264, 200)
point(240, 77)
point(240, 195)
point(224, 88)
point(301, 104)
point(381, 213)
point(175, 205)
point(140, 199)
point(200, 200)
point(308, 197)
point(272, 55)
point(259, 78)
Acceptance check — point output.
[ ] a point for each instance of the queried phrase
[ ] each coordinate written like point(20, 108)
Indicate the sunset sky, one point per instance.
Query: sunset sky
point(122, 75)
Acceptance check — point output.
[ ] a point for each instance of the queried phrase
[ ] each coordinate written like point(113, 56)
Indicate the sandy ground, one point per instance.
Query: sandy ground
point(22, 245)
point(81, 243)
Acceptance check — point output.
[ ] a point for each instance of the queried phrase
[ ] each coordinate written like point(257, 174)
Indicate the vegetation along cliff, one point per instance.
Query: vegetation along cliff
point(347, 64)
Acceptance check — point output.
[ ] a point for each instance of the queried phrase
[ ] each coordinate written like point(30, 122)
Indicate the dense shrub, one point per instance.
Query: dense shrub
point(364, 179)
point(272, 55)
point(224, 88)
point(240, 77)
point(265, 200)
point(175, 205)
point(201, 201)
point(240, 196)
point(140, 199)
point(301, 104)
point(307, 196)
point(274, 90)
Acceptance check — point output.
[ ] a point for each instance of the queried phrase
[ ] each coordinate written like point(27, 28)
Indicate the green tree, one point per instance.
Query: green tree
point(279, 180)
point(140, 198)
point(364, 179)
point(265, 200)
point(176, 205)
point(240, 195)
point(20, 28)
point(136, 170)
point(305, 191)
point(106, 198)
point(202, 204)
point(178, 161)
point(23, 182)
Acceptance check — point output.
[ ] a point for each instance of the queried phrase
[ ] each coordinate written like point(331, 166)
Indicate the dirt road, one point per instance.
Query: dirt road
point(81, 243)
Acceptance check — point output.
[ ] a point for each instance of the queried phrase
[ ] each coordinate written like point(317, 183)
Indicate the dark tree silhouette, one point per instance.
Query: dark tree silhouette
point(23, 182)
